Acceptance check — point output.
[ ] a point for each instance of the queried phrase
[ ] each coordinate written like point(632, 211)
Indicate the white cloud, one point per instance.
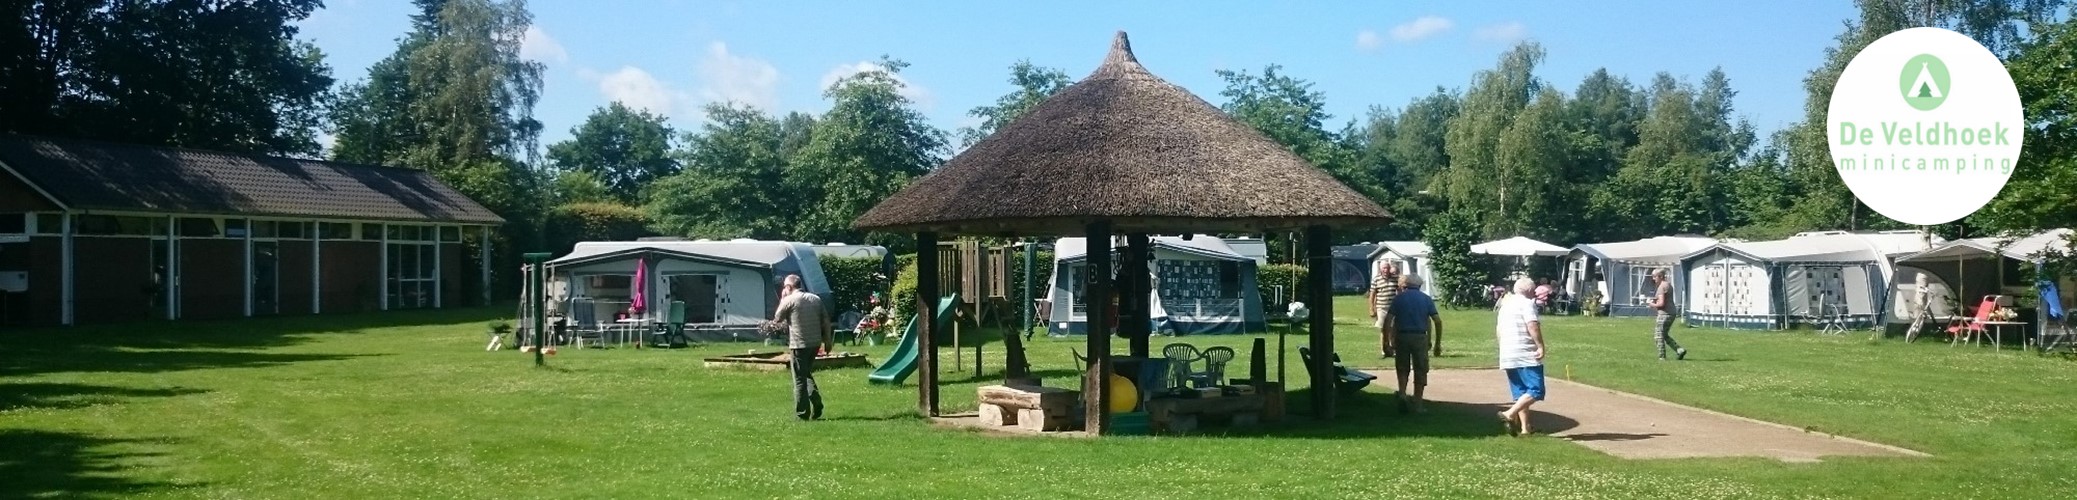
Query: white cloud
point(1368, 40)
point(538, 46)
point(1503, 32)
point(638, 89)
point(726, 77)
point(916, 93)
point(1424, 27)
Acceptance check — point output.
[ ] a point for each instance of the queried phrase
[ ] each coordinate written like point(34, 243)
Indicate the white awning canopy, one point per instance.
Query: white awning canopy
point(1519, 247)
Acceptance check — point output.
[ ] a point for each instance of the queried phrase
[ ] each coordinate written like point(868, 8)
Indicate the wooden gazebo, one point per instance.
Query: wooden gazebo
point(1124, 153)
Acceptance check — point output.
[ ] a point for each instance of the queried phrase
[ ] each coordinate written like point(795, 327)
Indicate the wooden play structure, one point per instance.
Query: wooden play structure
point(1122, 155)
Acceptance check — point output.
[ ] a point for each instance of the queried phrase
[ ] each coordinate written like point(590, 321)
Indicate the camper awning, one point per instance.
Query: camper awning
point(2028, 248)
point(1654, 250)
point(1519, 247)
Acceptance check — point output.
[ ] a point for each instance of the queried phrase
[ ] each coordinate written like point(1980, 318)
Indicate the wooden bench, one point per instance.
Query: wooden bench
point(1182, 415)
point(1030, 407)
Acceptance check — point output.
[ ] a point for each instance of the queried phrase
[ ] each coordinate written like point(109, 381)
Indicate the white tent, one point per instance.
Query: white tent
point(1799, 280)
point(1409, 257)
point(1200, 286)
point(1518, 246)
point(1972, 268)
point(1620, 271)
point(728, 287)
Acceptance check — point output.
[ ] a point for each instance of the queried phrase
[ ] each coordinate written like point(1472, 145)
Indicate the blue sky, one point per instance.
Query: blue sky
point(672, 56)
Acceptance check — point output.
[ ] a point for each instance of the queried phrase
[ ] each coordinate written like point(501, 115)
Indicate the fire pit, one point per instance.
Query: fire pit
point(775, 361)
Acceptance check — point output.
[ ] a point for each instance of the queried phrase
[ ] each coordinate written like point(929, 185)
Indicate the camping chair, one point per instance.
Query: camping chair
point(2058, 320)
point(672, 331)
point(1180, 357)
point(1214, 373)
point(1972, 327)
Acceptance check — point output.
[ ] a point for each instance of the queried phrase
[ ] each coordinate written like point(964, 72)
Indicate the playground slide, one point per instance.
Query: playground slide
point(902, 363)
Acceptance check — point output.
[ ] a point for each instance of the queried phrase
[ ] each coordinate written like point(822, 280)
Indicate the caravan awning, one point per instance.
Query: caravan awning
point(2028, 248)
point(1654, 250)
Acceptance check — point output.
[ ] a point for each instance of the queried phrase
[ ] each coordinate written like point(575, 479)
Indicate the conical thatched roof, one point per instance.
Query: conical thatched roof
point(1126, 146)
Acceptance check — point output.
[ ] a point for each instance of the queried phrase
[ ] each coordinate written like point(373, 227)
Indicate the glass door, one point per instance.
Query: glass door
point(266, 278)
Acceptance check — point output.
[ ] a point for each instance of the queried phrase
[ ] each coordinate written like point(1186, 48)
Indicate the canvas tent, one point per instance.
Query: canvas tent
point(1969, 269)
point(1201, 286)
point(1621, 271)
point(1799, 280)
point(1409, 257)
point(1352, 267)
point(728, 286)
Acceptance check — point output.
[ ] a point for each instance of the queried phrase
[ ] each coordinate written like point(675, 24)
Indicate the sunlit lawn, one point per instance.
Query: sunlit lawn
point(409, 405)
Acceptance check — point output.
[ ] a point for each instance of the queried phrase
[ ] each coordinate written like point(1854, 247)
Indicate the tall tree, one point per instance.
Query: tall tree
point(624, 148)
point(215, 75)
point(1034, 84)
point(871, 143)
point(734, 181)
point(2043, 187)
point(1475, 181)
point(1532, 155)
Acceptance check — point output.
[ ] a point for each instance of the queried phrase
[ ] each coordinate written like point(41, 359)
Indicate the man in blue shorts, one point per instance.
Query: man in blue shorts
point(1520, 337)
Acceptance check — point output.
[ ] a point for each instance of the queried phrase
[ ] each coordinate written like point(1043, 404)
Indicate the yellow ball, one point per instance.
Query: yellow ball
point(1124, 397)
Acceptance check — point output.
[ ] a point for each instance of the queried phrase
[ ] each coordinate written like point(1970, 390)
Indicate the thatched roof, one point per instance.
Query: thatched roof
point(1126, 146)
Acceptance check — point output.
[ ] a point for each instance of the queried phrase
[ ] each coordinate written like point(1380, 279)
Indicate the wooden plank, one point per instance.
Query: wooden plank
point(1023, 397)
point(1231, 404)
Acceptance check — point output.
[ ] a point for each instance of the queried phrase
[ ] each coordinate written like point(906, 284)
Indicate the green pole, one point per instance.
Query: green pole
point(536, 301)
point(1030, 261)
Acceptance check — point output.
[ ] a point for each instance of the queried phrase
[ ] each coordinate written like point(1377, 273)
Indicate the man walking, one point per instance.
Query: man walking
point(1384, 286)
point(807, 323)
point(1408, 322)
point(1663, 302)
point(1520, 336)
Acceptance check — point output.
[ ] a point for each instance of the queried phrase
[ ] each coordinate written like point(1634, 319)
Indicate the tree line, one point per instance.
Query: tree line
point(1511, 152)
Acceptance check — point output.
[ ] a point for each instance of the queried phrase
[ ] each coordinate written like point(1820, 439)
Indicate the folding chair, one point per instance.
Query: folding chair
point(1972, 328)
point(2058, 319)
point(672, 331)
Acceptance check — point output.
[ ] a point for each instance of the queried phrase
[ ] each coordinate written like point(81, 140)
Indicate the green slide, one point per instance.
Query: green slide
point(903, 362)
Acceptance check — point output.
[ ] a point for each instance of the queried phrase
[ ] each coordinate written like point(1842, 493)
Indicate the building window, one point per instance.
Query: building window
point(450, 234)
point(110, 225)
point(199, 227)
point(14, 223)
point(235, 228)
point(50, 224)
point(264, 229)
point(335, 230)
point(411, 276)
point(293, 230)
point(371, 232)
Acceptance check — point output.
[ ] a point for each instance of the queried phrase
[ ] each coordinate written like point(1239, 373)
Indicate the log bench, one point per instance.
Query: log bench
point(1030, 407)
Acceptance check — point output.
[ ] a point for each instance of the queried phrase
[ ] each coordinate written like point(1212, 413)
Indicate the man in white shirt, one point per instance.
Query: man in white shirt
point(1520, 336)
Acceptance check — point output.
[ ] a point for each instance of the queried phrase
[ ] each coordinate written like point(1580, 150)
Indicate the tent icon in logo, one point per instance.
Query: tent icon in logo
point(1924, 82)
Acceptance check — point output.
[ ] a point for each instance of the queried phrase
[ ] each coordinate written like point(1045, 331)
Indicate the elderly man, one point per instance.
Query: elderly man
point(1408, 322)
point(1383, 288)
point(807, 323)
point(1520, 336)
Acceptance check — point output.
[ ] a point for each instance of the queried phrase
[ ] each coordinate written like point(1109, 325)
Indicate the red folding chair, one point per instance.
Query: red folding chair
point(1964, 329)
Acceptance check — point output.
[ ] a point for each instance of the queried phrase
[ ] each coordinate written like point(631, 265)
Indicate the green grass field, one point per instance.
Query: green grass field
point(409, 405)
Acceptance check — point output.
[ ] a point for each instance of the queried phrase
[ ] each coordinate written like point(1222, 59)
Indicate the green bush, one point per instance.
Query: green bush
point(575, 222)
point(904, 294)
point(1291, 277)
point(851, 282)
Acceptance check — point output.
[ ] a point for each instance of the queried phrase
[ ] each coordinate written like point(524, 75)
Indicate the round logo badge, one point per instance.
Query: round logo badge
point(1937, 145)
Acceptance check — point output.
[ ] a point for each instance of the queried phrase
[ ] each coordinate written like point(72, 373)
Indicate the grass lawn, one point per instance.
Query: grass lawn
point(409, 405)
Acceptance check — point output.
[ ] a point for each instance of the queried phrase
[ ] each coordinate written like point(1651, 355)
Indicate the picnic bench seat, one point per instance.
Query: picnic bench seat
point(1347, 379)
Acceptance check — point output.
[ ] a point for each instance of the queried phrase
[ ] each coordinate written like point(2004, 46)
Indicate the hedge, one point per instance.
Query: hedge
point(575, 222)
point(851, 281)
point(1290, 276)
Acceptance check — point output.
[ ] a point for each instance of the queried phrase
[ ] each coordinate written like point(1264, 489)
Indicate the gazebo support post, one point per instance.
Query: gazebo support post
point(1135, 322)
point(1096, 393)
point(1319, 251)
point(926, 308)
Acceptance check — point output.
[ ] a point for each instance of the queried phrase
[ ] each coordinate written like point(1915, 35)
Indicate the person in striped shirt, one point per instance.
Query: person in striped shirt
point(1384, 286)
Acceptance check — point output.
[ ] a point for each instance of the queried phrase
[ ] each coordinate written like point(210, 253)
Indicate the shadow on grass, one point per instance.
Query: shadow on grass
point(148, 347)
point(44, 464)
point(1375, 415)
point(41, 395)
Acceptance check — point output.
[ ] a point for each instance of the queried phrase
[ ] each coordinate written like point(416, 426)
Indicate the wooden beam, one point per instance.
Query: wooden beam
point(1096, 395)
point(1138, 309)
point(1319, 284)
point(927, 295)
